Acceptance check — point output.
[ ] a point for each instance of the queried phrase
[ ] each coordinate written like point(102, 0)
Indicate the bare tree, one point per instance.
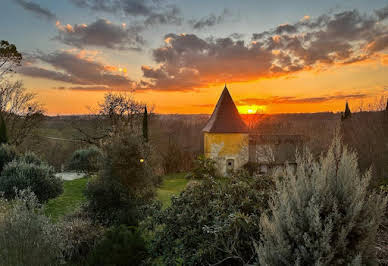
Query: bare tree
point(118, 112)
point(21, 112)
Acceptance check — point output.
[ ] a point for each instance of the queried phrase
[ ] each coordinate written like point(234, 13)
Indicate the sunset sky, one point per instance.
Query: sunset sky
point(275, 56)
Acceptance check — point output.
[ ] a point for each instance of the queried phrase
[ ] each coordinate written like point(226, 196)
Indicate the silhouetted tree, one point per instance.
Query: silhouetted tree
point(347, 113)
point(145, 125)
point(3, 131)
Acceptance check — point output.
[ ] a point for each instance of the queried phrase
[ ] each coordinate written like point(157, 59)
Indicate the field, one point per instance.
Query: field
point(71, 199)
point(73, 196)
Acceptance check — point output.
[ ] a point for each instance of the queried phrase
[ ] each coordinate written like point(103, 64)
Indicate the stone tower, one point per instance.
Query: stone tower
point(226, 138)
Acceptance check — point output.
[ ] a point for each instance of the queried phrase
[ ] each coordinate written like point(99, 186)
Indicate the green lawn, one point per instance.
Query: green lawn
point(70, 200)
point(172, 185)
point(73, 196)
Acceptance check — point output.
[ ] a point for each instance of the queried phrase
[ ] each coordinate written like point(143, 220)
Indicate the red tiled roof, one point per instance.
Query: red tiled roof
point(225, 117)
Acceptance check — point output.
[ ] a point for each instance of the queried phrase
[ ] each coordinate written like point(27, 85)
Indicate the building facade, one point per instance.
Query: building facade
point(227, 141)
point(226, 138)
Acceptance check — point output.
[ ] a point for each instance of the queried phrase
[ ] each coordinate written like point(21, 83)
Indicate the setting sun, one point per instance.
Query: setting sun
point(251, 109)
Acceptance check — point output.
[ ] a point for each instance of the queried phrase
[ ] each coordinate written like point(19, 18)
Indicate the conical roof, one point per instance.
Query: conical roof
point(225, 117)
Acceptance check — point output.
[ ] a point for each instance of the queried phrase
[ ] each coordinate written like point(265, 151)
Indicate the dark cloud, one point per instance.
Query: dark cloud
point(36, 9)
point(101, 33)
point(209, 21)
point(76, 69)
point(153, 11)
point(187, 62)
point(84, 88)
point(295, 100)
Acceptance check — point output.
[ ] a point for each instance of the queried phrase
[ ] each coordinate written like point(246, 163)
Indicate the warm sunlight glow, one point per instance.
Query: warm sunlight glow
point(251, 109)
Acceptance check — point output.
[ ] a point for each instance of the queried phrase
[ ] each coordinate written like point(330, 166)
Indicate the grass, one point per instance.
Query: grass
point(69, 200)
point(172, 184)
point(72, 196)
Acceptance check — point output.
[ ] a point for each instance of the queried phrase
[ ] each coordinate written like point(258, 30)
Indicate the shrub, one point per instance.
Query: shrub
point(125, 182)
point(30, 157)
point(120, 246)
point(39, 178)
point(211, 222)
point(81, 237)
point(26, 235)
point(203, 168)
point(7, 154)
point(323, 214)
point(85, 160)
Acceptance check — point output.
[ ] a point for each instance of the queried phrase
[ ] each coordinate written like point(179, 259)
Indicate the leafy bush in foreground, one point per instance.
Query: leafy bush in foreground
point(323, 214)
point(7, 154)
point(121, 246)
point(40, 178)
point(212, 222)
point(26, 235)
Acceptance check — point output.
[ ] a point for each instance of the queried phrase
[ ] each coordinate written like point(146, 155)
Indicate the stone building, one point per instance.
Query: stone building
point(227, 141)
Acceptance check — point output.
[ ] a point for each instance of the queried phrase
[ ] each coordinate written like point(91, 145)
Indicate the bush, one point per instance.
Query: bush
point(81, 237)
point(85, 160)
point(40, 178)
point(203, 168)
point(323, 214)
point(120, 246)
point(211, 222)
point(26, 235)
point(7, 154)
point(125, 182)
point(30, 157)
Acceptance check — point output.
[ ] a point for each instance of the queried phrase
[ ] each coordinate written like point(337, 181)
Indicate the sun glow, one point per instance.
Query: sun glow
point(251, 109)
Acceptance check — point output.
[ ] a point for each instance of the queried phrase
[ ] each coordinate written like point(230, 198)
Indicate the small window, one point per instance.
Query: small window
point(230, 165)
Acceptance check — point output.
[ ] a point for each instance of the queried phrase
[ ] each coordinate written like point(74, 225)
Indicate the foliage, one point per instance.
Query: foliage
point(71, 199)
point(120, 246)
point(85, 160)
point(40, 178)
point(7, 154)
point(323, 214)
point(10, 57)
point(81, 237)
point(211, 221)
point(26, 235)
point(30, 158)
point(125, 181)
point(3, 131)
point(204, 168)
point(251, 167)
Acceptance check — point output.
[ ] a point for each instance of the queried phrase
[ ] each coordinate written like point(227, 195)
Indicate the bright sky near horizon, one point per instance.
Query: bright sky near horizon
point(275, 56)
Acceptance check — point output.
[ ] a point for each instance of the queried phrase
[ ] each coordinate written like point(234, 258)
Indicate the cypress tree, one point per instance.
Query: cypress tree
point(145, 125)
point(347, 113)
point(3, 131)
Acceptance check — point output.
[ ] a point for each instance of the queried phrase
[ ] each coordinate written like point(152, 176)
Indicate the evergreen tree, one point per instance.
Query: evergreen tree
point(3, 131)
point(347, 113)
point(145, 125)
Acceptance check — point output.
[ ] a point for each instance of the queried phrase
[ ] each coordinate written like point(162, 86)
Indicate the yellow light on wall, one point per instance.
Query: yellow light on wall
point(142, 160)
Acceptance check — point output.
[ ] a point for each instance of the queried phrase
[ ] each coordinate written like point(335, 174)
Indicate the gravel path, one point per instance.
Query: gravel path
point(69, 175)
